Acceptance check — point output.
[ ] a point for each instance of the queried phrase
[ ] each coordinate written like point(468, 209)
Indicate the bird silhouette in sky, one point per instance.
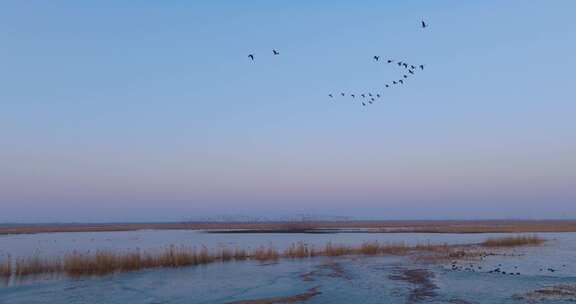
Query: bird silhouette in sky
point(370, 98)
point(251, 56)
point(275, 52)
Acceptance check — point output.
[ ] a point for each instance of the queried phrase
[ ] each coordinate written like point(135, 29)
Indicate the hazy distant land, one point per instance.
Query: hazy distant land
point(381, 226)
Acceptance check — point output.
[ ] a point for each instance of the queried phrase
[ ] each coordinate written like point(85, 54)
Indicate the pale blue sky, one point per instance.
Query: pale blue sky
point(151, 110)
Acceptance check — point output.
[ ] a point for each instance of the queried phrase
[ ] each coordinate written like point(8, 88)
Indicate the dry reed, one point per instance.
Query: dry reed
point(300, 250)
point(36, 265)
point(103, 262)
point(513, 241)
point(336, 250)
point(265, 254)
point(6, 267)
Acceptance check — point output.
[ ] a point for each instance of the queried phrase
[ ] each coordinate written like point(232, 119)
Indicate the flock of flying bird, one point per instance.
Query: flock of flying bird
point(370, 98)
point(409, 70)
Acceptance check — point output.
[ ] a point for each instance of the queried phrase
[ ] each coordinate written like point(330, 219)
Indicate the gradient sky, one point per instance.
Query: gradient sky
point(150, 110)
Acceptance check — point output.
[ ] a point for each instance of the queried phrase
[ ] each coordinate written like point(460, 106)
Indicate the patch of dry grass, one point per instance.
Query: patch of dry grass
point(300, 250)
point(336, 250)
point(36, 265)
point(6, 267)
point(103, 262)
point(514, 241)
point(263, 254)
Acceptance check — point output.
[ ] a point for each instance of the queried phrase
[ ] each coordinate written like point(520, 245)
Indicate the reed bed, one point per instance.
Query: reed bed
point(36, 265)
point(513, 241)
point(300, 250)
point(6, 267)
point(264, 254)
point(103, 262)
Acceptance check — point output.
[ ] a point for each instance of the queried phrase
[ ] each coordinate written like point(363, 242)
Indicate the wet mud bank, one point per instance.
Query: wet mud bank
point(298, 298)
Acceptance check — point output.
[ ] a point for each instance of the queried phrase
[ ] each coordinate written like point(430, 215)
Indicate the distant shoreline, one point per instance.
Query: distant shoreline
point(372, 226)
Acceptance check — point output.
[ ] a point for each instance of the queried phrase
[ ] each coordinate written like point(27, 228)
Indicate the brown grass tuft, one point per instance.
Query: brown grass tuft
point(36, 265)
point(513, 241)
point(370, 248)
point(299, 250)
point(6, 267)
point(240, 254)
point(336, 250)
point(265, 254)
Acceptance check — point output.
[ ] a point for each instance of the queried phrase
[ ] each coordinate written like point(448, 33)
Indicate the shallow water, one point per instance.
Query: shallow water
point(339, 280)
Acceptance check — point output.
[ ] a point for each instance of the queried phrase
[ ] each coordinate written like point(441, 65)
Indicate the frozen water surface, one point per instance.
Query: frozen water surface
point(352, 279)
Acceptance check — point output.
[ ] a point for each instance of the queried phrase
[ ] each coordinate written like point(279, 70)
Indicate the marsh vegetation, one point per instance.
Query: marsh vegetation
point(101, 262)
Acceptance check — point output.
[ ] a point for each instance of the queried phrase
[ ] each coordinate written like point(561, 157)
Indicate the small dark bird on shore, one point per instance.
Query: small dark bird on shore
point(275, 52)
point(370, 94)
point(363, 96)
point(342, 94)
point(372, 99)
point(405, 65)
point(387, 85)
point(405, 76)
point(410, 71)
point(401, 81)
point(330, 95)
point(412, 67)
point(378, 95)
point(353, 96)
point(251, 56)
point(390, 60)
point(364, 104)
point(394, 82)
point(376, 58)
point(370, 102)
point(424, 25)
point(422, 67)
point(399, 63)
